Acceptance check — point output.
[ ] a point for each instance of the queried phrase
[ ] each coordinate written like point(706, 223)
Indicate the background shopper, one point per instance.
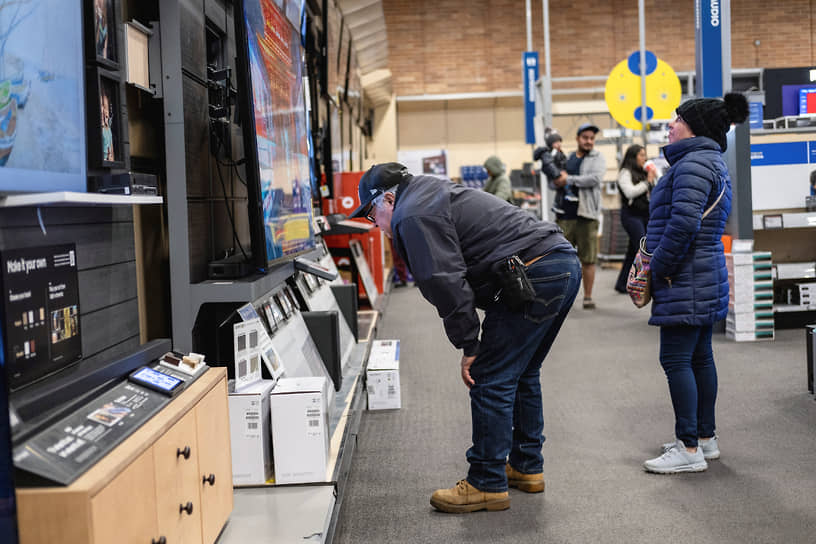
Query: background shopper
point(689, 277)
point(585, 171)
point(498, 183)
point(634, 184)
point(455, 241)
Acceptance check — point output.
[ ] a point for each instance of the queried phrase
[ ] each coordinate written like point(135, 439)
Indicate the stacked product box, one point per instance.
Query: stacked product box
point(806, 295)
point(750, 303)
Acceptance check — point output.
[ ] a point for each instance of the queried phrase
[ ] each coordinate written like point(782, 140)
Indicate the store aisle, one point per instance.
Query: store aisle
point(606, 409)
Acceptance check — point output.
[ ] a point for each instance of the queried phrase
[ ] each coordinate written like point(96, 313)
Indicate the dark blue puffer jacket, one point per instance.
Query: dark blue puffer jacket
point(689, 277)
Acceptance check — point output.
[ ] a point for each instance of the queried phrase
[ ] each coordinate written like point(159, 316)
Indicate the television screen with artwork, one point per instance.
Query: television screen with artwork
point(42, 117)
point(275, 133)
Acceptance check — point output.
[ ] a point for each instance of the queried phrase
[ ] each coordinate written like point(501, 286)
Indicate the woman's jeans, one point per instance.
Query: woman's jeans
point(687, 359)
point(635, 227)
point(505, 401)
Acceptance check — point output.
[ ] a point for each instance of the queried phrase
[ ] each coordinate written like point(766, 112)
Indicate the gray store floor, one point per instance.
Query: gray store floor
point(606, 408)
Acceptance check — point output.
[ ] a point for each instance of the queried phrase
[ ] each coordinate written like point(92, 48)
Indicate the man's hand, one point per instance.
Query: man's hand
point(561, 180)
point(466, 362)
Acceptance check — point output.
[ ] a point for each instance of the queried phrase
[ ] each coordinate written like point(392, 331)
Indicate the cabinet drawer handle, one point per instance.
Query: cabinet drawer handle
point(161, 540)
point(186, 508)
point(208, 479)
point(183, 452)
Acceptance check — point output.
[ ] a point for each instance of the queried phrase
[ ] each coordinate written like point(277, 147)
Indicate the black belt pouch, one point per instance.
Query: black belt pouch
point(516, 289)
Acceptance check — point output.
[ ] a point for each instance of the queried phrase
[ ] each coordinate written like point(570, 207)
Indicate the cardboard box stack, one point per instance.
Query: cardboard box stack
point(382, 375)
point(750, 304)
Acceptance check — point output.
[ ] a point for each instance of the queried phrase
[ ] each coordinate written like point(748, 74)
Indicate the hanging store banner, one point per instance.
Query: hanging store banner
point(529, 63)
point(709, 48)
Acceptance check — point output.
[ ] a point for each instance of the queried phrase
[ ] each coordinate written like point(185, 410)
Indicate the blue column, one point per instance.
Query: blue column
point(529, 63)
point(713, 47)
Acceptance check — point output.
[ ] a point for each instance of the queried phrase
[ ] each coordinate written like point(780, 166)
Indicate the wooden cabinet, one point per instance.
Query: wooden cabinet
point(172, 478)
point(214, 463)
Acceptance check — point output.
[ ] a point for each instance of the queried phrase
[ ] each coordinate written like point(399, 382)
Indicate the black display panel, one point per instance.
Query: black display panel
point(8, 511)
point(40, 311)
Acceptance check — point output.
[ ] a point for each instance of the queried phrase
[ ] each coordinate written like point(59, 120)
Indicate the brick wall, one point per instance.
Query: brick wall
point(454, 46)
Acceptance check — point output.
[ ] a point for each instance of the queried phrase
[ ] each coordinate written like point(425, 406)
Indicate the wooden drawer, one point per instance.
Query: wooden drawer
point(178, 503)
point(122, 511)
point(214, 461)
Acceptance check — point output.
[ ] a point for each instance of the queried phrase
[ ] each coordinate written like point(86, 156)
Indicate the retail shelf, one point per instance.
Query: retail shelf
point(795, 271)
point(789, 220)
point(785, 308)
point(67, 198)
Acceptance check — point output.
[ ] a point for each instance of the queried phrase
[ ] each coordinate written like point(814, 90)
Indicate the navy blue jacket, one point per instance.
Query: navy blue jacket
point(689, 277)
point(452, 237)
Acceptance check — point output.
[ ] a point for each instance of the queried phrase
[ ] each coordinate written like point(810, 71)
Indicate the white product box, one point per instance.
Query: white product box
point(753, 336)
point(382, 376)
point(749, 306)
point(749, 322)
point(300, 429)
point(250, 433)
point(757, 257)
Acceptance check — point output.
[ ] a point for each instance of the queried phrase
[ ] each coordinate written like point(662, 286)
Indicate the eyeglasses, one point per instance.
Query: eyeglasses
point(370, 214)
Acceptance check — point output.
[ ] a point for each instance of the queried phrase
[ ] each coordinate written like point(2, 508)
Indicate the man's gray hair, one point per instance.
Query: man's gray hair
point(380, 197)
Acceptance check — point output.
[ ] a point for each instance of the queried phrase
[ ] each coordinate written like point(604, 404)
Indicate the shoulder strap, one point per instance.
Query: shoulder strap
point(708, 211)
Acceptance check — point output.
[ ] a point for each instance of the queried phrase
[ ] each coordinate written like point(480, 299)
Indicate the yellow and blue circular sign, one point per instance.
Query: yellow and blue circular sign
point(623, 90)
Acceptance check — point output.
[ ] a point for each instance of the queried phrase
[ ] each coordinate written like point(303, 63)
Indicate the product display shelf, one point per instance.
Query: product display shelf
point(798, 220)
point(307, 512)
point(67, 198)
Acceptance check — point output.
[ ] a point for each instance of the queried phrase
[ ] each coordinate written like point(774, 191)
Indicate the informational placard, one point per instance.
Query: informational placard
point(65, 450)
point(246, 344)
point(40, 311)
point(269, 355)
point(364, 271)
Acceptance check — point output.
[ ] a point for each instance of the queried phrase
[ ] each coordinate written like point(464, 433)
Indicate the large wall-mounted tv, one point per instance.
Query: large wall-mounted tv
point(275, 135)
point(40, 311)
point(42, 117)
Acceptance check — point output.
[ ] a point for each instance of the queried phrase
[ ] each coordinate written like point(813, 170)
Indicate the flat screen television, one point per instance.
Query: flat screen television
point(8, 510)
point(42, 100)
point(40, 312)
point(275, 132)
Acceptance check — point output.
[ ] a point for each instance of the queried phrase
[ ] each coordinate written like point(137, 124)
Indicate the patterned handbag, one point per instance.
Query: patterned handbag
point(639, 283)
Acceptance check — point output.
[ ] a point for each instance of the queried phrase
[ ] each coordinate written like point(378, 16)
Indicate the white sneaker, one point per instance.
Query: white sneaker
point(710, 447)
point(677, 459)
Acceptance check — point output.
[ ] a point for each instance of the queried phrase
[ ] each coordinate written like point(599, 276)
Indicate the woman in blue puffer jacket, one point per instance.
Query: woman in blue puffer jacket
point(687, 215)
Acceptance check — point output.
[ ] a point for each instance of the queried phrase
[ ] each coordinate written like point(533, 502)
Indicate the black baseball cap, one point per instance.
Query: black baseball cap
point(587, 126)
point(376, 181)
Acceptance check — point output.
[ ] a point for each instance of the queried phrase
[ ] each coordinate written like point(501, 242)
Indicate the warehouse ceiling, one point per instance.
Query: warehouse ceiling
point(366, 22)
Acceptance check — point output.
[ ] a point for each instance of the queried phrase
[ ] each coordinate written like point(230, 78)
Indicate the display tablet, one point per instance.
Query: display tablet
point(157, 381)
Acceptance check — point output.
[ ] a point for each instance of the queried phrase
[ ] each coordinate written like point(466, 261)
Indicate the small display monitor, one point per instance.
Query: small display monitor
point(807, 100)
point(42, 97)
point(40, 311)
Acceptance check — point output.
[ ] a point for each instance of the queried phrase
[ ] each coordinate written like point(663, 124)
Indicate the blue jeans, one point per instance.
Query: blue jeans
point(505, 401)
point(688, 360)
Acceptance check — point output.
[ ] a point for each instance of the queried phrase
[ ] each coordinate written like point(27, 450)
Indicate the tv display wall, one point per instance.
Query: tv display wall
point(281, 175)
point(42, 117)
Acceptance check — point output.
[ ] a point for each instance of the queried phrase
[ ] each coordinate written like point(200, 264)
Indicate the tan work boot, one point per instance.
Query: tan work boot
point(463, 497)
point(531, 483)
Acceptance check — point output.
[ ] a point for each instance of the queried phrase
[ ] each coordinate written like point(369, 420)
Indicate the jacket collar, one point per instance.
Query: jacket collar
point(676, 151)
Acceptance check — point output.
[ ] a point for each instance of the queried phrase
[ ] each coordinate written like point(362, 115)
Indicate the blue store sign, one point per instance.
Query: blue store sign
point(529, 63)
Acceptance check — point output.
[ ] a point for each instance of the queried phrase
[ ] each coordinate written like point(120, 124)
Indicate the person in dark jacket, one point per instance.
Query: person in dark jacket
point(455, 241)
point(554, 166)
point(634, 184)
point(688, 210)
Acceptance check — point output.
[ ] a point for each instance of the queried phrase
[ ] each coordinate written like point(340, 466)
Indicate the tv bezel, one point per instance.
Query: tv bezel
point(246, 106)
